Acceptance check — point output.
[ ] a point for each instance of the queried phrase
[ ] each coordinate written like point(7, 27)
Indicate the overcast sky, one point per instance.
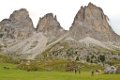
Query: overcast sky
point(64, 9)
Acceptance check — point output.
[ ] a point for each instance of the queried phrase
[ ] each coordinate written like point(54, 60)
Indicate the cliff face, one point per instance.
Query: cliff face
point(90, 21)
point(18, 26)
point(50, 27)
point(90, 34)
point(19, 38)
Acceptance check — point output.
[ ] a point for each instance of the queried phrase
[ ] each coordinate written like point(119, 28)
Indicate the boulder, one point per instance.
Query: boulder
point(110, 70)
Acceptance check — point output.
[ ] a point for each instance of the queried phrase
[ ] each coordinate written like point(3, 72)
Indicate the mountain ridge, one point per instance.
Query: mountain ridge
point(90, 33)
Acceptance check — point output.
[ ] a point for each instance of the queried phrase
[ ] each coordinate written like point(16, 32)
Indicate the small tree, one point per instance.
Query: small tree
point(102, 58)
point(77, 58)
point(88, 59)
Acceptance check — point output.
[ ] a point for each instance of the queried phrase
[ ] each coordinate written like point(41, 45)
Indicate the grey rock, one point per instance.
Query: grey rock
point(50, 27)
point(18, 26)
point(110, 70)
point(18, 36)
point(90, 21)
point(90, 34)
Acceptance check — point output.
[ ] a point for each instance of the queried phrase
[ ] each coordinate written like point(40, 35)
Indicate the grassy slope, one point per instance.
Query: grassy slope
point(14, 74)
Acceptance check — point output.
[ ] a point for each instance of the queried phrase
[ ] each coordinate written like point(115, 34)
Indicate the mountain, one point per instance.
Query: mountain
point(18, 26)
point(50, 27)
point(89, 36)
point(90, 21)
point(19, 38)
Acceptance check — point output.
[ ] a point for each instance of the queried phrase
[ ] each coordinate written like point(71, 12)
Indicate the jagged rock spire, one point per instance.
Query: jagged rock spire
point(18, 26)
point(19, 15)
point(50, 26)
point(90, 21)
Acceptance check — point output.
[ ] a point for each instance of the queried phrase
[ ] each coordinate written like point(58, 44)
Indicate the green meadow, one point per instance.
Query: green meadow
point(15, 74)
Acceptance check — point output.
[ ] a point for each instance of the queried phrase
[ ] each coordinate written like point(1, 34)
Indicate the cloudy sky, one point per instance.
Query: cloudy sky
point(64, 9)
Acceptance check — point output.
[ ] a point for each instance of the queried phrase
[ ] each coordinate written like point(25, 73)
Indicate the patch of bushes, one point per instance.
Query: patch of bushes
point(53, 65)
point(7, 59)
point(29, 66)
point(70, 66)
point(113, 62)
point(118, 69)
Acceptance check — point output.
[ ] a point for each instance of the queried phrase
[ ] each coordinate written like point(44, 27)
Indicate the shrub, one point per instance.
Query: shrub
point(32, 66)
point(118, 69)
point(8, 59)
point(70, 66)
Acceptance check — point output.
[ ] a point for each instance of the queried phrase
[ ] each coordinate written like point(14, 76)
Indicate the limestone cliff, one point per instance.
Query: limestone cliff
point(89, 35)
point(90, 21)
point(50, 27)
point(18, 26)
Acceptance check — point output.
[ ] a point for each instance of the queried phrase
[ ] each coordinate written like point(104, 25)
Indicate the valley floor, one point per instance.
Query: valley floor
point(15, 74)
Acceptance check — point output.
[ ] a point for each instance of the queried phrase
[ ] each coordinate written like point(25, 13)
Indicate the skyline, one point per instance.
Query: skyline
point(64, 10)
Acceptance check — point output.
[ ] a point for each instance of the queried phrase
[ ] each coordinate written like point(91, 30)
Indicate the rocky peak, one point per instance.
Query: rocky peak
point(47, 23)
point(50, 26)
point(18, 26)
point(88, 13)
point(19, 15)
point(90, 21)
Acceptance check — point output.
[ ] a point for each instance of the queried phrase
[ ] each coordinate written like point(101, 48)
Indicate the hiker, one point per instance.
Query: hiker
point(92, 72)
point(28, 65)
point(77, 69)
